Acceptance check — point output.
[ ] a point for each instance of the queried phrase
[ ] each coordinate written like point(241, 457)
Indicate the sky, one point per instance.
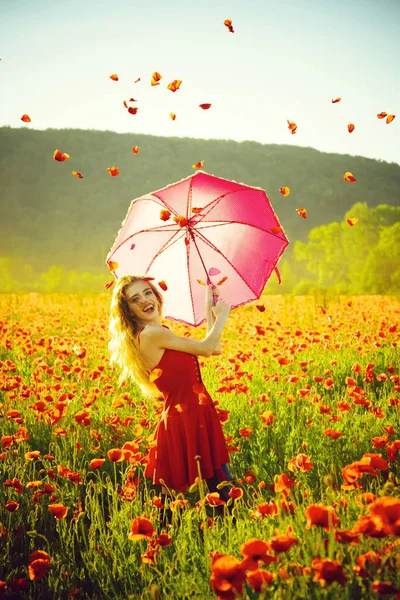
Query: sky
point(286, 60)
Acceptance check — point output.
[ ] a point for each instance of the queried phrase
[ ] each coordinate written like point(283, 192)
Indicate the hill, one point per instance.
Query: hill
point(48, 217)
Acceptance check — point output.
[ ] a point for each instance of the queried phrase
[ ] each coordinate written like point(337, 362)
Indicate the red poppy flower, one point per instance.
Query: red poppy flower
point(259, 579)
point(347, 537)
point(383, 588)
point(255, 550)
point(59, 511)
point(39, 564)
point(227, 577)
point(283, 543)
point(318, 514)
point(282, 483)
point(266, 509)
point(115, 455)
point(141, 528)
point(328, 571)
point(164, 539)
point(386, 512)
point(300, 462)
point(235, 493)
point(11, 506)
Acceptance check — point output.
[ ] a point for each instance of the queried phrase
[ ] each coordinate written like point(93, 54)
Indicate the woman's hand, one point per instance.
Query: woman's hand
point(221, 309)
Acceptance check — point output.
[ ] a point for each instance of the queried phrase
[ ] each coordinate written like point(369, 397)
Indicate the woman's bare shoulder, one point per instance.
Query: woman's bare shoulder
point(153, 333)
point(162, 337)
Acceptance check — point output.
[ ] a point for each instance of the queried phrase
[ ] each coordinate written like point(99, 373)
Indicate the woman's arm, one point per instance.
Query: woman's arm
point(161, 337)
point(211, 291)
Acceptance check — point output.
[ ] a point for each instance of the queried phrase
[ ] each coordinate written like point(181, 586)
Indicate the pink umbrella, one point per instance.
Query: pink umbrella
point(199, 230)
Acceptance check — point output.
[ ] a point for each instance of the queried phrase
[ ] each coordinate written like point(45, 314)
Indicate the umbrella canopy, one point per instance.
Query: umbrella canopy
point(200, 229)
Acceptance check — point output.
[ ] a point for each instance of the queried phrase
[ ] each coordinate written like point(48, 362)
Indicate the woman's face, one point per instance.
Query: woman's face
point(142, 302)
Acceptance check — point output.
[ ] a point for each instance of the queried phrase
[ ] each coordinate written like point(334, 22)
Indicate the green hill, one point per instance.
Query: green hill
point(48, 217)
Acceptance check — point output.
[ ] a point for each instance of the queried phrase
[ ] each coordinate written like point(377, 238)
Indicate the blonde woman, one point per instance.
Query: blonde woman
point(189, 429)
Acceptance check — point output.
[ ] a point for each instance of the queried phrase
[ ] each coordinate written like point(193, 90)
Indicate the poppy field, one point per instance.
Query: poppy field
point(309, 398)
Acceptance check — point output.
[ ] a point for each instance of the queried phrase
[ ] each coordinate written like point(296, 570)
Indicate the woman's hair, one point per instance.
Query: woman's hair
point(124, 328)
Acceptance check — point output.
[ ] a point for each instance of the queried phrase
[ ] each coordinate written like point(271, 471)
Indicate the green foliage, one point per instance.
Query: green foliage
point(363, 259)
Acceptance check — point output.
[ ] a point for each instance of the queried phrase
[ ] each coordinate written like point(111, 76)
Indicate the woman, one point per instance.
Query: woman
point(189, 431)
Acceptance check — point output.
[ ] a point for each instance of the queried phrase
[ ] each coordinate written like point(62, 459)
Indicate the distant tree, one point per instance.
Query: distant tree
point(7, 281)
point(381, 272)
point(52, 280)
point(363, 258)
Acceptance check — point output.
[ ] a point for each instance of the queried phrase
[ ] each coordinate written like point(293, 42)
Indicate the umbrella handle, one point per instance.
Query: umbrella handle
point(215, 296)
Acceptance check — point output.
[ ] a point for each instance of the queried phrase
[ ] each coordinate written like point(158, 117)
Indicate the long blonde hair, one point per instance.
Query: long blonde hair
point(124, 328)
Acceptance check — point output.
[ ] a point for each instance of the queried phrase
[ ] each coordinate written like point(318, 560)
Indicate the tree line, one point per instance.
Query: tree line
point(336, 258)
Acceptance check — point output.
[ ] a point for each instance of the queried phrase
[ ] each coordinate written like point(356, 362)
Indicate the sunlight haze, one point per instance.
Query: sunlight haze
point(285, 60)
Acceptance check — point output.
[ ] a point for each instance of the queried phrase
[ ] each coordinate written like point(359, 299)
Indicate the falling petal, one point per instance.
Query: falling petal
point(174, 85)
point(349, 177)
point(350, 127)
point(291, 126)
point(260, 307)
point(155, 78)
point(228, 24)
point(163, 285)
point(205, 106)
point(155, 374)
point(132, 100)
point(112, 265)
point(59, 156)
point(201, 282)
point(390, 118)
point(302, 212)
point(114, 77)
point(165, 214)
point(26, 118)
point(138, 79)
point(133, 110)
point(125, 104)
point(135, 149)
point(382, 115)
point(213, 271)
point(276, 229)
point(198, 165)
point(336, 100)
point(285, 191)
point(109, 284)
point(173, 116)
point(77, 174)
point(114, 171)
point(352, 221)
point(222, 281)
point(133, 246)
point(180, 220)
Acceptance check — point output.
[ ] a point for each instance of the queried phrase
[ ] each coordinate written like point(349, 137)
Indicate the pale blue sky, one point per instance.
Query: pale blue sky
point(286, 60)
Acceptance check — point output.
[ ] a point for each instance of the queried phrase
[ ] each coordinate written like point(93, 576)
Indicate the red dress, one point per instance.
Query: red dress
point(186, 428)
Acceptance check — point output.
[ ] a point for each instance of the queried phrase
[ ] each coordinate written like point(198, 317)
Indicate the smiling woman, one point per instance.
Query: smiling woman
point(189, 432)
